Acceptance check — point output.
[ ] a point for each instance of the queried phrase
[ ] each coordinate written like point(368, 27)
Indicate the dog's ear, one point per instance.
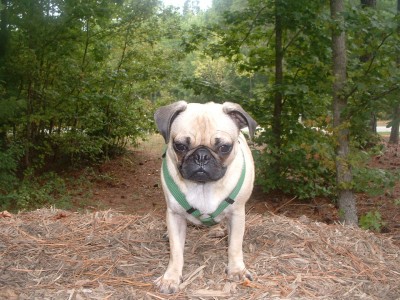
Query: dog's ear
point(165, 115)
point(240, 117)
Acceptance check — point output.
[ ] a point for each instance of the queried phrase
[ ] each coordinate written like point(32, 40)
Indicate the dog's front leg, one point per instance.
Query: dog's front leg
point(169, 282)
point(236, 225)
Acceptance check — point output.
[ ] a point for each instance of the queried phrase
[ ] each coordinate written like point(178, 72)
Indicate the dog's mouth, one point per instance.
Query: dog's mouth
point(201, 175)
point(202, 165)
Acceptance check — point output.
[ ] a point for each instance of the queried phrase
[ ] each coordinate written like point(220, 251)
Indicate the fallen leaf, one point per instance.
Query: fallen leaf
point(5, 214)
point(61, 215)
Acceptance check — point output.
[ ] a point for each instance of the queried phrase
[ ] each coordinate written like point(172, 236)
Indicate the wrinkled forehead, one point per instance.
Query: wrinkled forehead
point(204, 125)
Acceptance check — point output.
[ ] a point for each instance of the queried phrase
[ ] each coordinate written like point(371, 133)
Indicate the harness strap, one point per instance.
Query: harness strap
point(208, 220)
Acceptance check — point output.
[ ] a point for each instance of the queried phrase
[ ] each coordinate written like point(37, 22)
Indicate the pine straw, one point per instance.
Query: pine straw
point(53, 254)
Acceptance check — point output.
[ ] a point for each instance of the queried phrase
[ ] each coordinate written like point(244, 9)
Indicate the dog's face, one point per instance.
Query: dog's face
point(202, 138)
point(204, 142)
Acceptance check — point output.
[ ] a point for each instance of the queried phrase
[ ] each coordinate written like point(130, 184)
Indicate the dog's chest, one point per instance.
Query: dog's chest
point(203, 198)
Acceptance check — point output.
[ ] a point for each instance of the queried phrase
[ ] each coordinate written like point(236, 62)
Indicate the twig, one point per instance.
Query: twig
point(284, 204)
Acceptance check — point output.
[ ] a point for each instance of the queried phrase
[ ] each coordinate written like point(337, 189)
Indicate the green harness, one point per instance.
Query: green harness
point(209, 219)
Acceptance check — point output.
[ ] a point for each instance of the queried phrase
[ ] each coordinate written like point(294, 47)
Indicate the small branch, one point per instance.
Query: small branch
point(252, 26)
point(374, 56)
point(284, 204)
point(371, 61)
point(291, 41)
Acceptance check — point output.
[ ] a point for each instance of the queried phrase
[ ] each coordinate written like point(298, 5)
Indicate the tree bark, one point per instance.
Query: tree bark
point(346, 200)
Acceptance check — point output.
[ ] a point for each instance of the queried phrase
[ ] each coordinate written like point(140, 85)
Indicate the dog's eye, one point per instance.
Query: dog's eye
point(180, 147)
point(224, 149)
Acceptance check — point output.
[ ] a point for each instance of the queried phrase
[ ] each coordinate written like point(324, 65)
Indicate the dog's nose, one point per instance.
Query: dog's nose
point(202, 156)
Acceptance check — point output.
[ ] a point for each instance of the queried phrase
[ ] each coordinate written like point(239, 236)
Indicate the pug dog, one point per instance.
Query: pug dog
point(207, 175)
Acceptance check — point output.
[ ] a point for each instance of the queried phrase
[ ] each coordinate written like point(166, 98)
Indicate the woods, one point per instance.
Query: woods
point(80, 80)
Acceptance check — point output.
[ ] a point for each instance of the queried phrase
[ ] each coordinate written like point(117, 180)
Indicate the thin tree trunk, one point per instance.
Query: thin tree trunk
point(278, 103)
point(344, 176)
point(4, 36)
point(394, 131)
point(373, 123)
point(83, 65)
point(28, 134)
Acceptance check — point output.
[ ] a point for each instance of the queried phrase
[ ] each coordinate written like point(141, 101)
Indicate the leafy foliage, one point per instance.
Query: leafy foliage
point(79, 80)
point(302, 160)
point(307, 165)
point(9, 167)
point(372, 220)
point(244, 37)
point(374, 181)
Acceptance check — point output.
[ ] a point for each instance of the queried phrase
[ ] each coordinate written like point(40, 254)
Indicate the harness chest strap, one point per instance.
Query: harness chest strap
point(181, 198)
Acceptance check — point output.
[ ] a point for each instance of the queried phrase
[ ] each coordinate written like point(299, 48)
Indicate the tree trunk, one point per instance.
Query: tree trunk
point(278, 103)
point(346, 200)
point(373, 123)
point(394, 131)
point(4, 36)
point(28, 128)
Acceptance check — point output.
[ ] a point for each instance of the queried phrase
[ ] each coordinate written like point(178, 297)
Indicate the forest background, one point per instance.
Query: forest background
point(80, 80)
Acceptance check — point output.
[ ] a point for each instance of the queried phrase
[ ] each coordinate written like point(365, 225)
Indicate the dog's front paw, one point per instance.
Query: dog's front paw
point(239, 275)
point(168, 284)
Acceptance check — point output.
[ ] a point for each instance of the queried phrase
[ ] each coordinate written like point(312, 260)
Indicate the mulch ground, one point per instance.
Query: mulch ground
point(112, 244)
point(55, 254)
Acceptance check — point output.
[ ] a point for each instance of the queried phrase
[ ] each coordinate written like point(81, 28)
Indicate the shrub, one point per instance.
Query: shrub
point(35, 192)
point(372, 220)
point(307, 166)
point(373, 181)
point(9, 162)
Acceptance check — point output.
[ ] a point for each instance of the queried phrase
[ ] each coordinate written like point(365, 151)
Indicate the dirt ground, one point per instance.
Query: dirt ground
point(131, 184)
